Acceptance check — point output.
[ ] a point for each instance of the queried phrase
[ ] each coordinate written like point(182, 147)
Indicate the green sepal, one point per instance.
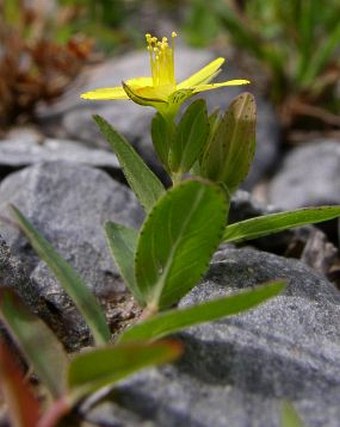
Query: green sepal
point(178, 97)
point(148, 102)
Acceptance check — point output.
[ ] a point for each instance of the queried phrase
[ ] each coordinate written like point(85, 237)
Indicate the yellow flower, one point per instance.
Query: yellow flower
point(161, 89)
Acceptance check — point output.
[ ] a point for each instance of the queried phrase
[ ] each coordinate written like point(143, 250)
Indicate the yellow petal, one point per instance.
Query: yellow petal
point(159, 93)
point(139, 82)
point(236, 82)
point(204, 75)
point(105, 94)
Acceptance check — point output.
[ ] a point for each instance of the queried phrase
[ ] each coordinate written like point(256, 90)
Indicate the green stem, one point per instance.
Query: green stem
point(171, 128)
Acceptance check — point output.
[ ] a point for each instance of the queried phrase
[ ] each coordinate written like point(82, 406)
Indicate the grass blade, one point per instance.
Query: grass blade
point(69, 279)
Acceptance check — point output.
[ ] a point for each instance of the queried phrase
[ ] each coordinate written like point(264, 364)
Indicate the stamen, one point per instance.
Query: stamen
point(161, 60)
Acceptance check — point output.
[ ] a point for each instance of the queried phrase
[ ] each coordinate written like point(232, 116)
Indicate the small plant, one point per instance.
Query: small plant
point(206, 157)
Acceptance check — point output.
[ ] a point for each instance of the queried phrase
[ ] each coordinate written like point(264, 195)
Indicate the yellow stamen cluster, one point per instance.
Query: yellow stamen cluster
point(161, 60)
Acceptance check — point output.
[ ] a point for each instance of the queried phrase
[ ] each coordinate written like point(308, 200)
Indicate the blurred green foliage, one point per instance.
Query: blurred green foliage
point(296, 42)
point(107, 21)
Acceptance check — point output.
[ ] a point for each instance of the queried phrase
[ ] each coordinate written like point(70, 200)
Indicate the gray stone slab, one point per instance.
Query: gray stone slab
point(310, 175)
point(20, 152)
point(235, 372)
point(69, 204)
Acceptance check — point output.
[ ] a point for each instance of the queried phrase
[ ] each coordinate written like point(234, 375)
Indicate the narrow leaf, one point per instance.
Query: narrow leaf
point(228, 156)
point(122, 241)
point(177, 240)
point(37, 342)
point(176, 320)
point(69, 279)
point(273, 223)
point(95, 369)
point(289, 416)
point(142, 180)
point(23, 407)
point(191, 137)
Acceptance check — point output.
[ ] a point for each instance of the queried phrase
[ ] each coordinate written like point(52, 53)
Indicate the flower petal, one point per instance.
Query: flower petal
point(105, 94)
point(236, 82)
point(139, 82)
point(158, 93)
point(204, 75)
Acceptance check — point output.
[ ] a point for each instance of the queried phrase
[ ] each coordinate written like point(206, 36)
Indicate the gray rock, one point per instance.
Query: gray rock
point(16, 153)
point(310, 175)
point(13, 276)
point(235, 372)
point(69, 204)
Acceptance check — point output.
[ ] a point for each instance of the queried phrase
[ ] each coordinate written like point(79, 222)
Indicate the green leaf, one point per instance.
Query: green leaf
point(141, 179)
point(289, 416)
point(37, 342)
point(92, 370)
point(122, 241)
point(177, 240)
point(228, 156)
point(273, 223)
point(69, 279)
point(161, 138)
point(191, 137)
point(176, 320)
